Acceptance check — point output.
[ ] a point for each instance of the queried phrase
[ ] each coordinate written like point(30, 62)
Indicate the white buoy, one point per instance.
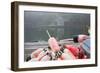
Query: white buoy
point(48, 33)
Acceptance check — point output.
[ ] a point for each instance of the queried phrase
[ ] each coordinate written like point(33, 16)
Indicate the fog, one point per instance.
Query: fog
point(59, 25)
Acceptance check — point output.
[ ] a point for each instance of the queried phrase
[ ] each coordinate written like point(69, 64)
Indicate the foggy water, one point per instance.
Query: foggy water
point(59, 25)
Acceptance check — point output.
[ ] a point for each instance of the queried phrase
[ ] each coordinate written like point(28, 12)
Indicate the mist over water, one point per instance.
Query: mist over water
point(59, 25)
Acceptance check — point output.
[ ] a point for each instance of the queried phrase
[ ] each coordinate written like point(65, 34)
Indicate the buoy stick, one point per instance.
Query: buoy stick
point(48, 33)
